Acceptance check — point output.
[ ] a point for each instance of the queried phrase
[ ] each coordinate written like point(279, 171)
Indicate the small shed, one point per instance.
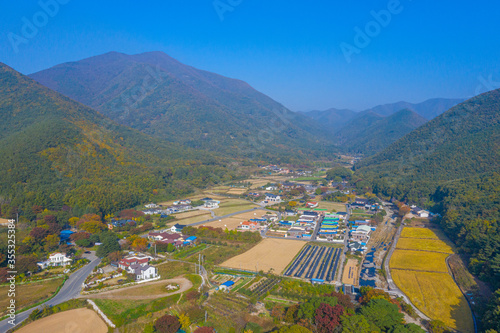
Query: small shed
point(226, 285)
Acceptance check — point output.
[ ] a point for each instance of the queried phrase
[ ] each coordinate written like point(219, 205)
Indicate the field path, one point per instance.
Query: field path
point(184, 285)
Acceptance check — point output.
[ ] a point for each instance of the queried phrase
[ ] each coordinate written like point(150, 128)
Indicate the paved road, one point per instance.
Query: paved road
point(71, 289)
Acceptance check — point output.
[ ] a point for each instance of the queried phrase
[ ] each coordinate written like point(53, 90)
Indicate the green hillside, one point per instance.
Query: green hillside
point(451, 165)
point(370, 133)
point(58, 152)
point(160, 96)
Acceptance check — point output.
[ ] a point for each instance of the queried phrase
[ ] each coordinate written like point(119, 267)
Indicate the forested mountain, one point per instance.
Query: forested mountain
point(451, 165)
point(160, 96)
point(58, 152)
point(332, 119)
point(369, 133)
point(428, 109)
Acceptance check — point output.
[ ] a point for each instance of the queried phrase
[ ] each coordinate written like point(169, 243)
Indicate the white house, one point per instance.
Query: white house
point(211, 204)
point(273, 197)
point(55, 259)
point(271, 188)
point(151, 205)
point(142, 272)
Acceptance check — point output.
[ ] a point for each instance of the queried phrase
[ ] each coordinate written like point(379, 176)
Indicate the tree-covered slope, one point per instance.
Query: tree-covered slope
point(369, 132)
point(460, 143)
point(160, 96)
point(331, 119)
point(451, 165)
point(56, 151)
point(428, 109)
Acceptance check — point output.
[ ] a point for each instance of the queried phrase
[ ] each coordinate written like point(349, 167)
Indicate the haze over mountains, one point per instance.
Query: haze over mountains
point(160, 96)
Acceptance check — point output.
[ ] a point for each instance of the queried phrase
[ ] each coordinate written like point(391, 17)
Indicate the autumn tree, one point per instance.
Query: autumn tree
point(167, 324)
point(184, 321)
point(140, 244)
point(51, 242)
point(39, 233)
point(204, 329)
point(328, 317)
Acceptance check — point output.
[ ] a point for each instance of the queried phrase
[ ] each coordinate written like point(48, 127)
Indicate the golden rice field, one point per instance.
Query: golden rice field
point(436, 295)
point(418, 267)
point(419, 261)
point(433, 245)
point(419, 233)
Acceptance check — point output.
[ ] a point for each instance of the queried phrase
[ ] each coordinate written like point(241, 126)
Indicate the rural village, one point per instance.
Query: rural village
point(254, 246)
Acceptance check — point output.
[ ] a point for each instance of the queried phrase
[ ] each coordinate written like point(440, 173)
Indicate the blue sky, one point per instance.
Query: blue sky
point(289, 50)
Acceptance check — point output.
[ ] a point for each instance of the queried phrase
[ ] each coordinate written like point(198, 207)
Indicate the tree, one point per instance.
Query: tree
point(355, 324)
point(91, 223)
point(328, 317)
point(383, 314)
point(26, 264)
point(343, 173)
point(140, 244)
point(51, 242)
point(73, 221)
point(437, 326)
point(294, 329)
point(167, 324)
point(39, 233)
point(109, 244)
point(185, 321)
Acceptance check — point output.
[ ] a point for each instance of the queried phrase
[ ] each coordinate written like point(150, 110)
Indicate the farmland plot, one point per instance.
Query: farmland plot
point(418, 267)
point(269, 253)
point(436, 295)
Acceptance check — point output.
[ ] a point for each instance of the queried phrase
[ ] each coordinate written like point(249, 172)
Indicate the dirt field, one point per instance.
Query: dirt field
point(195, 218)
point(189, 214)
point(350, 274)
point(150, 290)
point(229, 206)
point(230, 223)
point(237, 191)
point(269, 253)
point(234, 221)
point(3, 221)
point(77, 320)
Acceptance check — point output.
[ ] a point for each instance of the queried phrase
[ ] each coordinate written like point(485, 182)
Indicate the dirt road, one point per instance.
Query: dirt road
point(184, 285)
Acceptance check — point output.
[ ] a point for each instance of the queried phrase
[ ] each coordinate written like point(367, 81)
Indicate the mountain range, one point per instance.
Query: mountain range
point(56, 151)
point(162, 97)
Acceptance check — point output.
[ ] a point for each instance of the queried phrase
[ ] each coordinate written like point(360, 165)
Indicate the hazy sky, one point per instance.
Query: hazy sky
point(304, 54)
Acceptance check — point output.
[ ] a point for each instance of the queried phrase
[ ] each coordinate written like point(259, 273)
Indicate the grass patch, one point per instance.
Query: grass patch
point(171, 269)
point(190, 251)
point(30, 293)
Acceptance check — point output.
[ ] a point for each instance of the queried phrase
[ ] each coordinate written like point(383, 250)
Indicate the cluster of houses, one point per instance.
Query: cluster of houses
point(359, 235)
point(303, 227)
point(172, 236)
point(177, 207)
point(332, 228)
point(365, 203)
point(138, 266)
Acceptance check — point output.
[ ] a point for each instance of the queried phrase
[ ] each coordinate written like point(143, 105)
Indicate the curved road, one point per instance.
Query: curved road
point(184, 285)
point(71, 289)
